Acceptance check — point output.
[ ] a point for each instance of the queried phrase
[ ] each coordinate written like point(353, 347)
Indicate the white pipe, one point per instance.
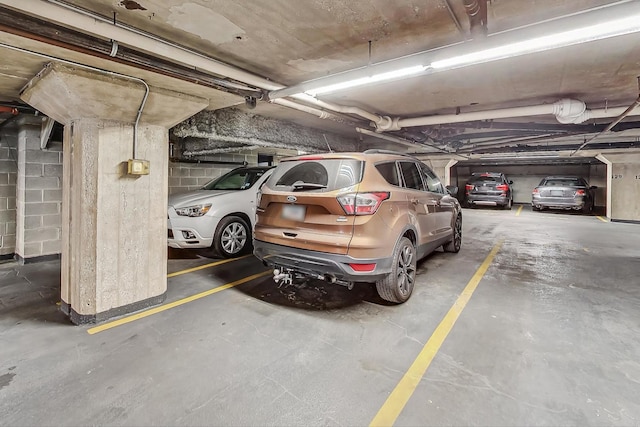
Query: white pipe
point(566, 111)
point(379, 121)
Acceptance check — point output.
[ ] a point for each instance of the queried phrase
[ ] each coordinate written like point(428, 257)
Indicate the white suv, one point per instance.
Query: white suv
point(220, 216)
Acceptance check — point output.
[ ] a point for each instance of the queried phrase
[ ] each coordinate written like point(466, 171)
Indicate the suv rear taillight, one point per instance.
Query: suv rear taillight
point(468, 187)
point(580, 193)
point(535, 191)
point(362, 203)
point(502, 187)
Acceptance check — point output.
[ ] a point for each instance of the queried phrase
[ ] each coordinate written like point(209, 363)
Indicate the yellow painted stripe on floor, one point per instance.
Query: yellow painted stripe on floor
point(519, 210)
point(202, 267)
point(399, 397)
point(602, 218)
point(165, 307)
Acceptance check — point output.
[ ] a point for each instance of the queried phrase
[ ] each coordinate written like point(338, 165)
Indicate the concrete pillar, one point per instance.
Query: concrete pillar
point(623, 186)
point(38, 193)
point(441, 166)
point(113, 224)
point(8, 178)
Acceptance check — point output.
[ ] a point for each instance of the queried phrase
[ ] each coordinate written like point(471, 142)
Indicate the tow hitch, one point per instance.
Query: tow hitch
point(287, 276)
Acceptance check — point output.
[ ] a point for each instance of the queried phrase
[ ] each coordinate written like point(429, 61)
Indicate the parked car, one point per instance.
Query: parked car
point(355, 217)
point(489, 189)
point(220, 216)
point(563, 192)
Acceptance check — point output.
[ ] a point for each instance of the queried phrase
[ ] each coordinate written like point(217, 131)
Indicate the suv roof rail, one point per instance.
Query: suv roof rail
point(382, 151)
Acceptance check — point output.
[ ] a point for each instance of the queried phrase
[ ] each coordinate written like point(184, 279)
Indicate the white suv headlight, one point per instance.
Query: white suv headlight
point(196, 210)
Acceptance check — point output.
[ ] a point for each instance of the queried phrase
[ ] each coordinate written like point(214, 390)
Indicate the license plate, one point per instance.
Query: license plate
point(559, 193)
point(293, 212)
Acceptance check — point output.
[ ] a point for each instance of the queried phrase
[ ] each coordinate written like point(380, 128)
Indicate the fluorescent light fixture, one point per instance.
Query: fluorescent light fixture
point(601, 31)
point(390, 75)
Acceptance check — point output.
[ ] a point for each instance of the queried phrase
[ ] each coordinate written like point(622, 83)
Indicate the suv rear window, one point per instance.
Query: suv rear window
point(484, 178)
point(316, 175)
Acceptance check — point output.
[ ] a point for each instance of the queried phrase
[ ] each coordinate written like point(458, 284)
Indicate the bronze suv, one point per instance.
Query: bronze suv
point(355, 217)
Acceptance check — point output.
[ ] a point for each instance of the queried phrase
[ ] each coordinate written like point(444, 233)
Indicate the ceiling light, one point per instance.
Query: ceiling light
point(601, 31)
point(395, 74)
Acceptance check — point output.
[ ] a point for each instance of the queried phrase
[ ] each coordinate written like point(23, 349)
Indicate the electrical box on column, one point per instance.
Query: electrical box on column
point(138, 167)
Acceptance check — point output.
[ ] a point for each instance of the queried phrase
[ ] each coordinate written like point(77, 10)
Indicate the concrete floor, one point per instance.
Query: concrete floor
point(550, 337)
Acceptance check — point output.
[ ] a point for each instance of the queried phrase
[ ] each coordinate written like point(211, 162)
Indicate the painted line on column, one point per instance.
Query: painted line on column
point(401, 394)
point(166, 307)
point(202, 267)
point(519, 210)
point(602, 218)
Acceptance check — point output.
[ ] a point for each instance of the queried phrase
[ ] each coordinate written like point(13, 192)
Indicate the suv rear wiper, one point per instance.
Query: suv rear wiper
point(300, 185)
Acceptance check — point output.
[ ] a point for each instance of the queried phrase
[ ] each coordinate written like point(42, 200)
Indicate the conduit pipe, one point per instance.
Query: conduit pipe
point(567, 111)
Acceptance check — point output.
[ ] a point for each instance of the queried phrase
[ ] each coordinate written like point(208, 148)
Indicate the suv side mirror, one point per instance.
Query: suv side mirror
point(452, 189)
point(510, 182)
point(593, 187)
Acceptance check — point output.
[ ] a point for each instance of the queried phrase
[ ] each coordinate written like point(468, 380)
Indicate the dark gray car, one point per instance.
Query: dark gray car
point(489, 189)
point(563, 192)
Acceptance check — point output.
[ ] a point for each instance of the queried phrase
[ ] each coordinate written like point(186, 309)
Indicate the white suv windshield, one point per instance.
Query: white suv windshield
point(237, 179)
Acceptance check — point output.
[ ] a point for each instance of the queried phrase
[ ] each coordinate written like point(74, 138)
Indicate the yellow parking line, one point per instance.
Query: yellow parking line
point(399, 397)
point(202, 267)
point(601, 218)
point(165, 307)
point(519, 210)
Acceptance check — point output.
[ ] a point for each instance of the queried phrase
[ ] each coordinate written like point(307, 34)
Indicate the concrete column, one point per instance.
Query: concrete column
point(38, 194)
point(114, 224)
point(8, 178)
point(623, 189)
point(441, 166)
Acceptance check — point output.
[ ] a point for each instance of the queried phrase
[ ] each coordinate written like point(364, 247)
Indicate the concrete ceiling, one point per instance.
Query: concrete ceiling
point(288, 42)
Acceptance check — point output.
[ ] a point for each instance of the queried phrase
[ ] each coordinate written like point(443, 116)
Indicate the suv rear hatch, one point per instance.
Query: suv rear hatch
point(485, 185)
point(304, 204)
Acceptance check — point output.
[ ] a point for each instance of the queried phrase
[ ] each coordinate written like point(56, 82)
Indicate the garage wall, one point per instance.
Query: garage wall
point(526, 177)
point(191, 176)
point(8, 176)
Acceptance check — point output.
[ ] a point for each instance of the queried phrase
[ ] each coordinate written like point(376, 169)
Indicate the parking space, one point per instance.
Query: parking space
point(533, 322)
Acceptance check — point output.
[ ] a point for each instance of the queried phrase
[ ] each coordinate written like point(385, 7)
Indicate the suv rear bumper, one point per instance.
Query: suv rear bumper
point(487, 199)
point(320, 265)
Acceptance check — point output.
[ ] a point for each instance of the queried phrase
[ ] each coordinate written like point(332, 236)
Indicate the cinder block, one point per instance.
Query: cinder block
point(11, 203)
point(11, 229)
point(7, 191)
point(31, 250)
point(41, 235)
point(7, 216)
point(33, 169)
point(4, 178)
point(52, 195)
point(33, 222)
point(52, 170)
point(33, 196)
point(39, 156)
point(198, 172)
point(189, 181)
point(174, 181)
point(41, 208)
point(13, 178)
point(181, 172)
point(9, 241)
point(202, 181)
point(51, 247)
point(8, 166)
point(3, 203)
point(42, 183)
point(52, 220)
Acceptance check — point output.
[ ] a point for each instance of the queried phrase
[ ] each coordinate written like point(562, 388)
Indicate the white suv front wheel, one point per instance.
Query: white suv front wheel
point(232, 237)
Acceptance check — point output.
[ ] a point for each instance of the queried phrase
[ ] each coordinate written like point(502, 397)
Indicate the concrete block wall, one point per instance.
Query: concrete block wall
point(191, 176)
point(39, 195)
point(8, 178)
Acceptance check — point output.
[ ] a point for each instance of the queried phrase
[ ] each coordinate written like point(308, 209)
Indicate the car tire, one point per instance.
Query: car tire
point(456, 243)
point(232, 237)
point(398, 285)
point(507, 206)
